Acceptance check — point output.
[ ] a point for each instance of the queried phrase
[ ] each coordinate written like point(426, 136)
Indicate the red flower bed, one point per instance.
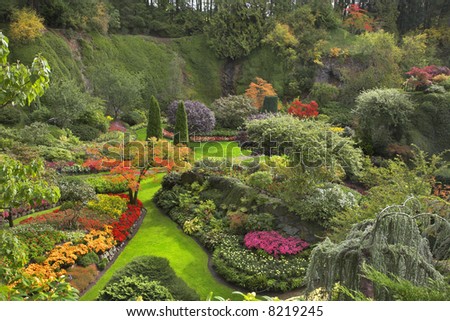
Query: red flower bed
point(121, 228)
point(273, 243)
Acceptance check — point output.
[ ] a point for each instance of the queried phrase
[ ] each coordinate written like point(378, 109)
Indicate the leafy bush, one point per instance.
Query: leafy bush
point(324, 203)
point(106, 185)
point(324, 93)
point(200, 118)
point(260, 222)
point(75, 190)
point(88, 259)
point(9, 115)
point(156, 269)
point(257, 271)
point(38, 134)
point(317, 146)
point(382, 115)
point(110, 205)
point(232, 111)
point(55, 154)
point(85, 132)
point(270, 105)
point(130, 288)
point(260, 179)
point(134, 117)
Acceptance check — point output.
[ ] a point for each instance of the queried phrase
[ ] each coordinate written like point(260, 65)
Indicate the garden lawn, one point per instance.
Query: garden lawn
point(160, 236)
point(222, 149)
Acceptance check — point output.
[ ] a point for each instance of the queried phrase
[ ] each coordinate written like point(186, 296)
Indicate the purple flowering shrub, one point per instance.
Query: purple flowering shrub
point(200, 118)
point(274, 244)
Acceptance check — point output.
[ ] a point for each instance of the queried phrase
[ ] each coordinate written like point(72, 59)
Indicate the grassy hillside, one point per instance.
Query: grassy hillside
point(55, 49)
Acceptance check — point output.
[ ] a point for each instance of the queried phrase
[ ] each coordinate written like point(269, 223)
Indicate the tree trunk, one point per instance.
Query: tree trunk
point(10, 219)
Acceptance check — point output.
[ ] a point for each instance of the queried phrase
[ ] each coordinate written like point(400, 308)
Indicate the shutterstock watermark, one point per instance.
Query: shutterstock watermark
point(319, 153)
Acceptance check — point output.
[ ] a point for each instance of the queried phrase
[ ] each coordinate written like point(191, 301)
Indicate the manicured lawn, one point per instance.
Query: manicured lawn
point(160, 236)
point(20, 219)
point(217, 149)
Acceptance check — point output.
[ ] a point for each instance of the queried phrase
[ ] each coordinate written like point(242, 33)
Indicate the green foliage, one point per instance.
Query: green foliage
point(181, 125)
point(257, 271)
point(260, 179)
point(132, 288)
point(260, 222)
point(85, 132)
point(156, 269)
point(105, 185)
point(120, 88)
point(323, 93)
point(317, 147)
point(391, 243)
point(24, 184)
point(67, 103)
point(237, 28)
point(377, 58)
point(429, 122)
point(75, 190)
point(154, 127)
point(232, 111)
point(390, 183)
point(109, 205)
point(382, 115)
point(323, 203)
point(88, 259)
point(270, 105)
point(403, 290)
point(134, 117)
point(21, 85)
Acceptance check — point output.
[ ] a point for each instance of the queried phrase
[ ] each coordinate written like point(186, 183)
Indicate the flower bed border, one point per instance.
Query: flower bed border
point(114, 252)
point(201, 138)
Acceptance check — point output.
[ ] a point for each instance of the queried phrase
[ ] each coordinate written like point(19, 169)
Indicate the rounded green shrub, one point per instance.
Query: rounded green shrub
point(131, 288)
point(88, 259)
point(157, 269)
point(232, 111)
point(260, 179)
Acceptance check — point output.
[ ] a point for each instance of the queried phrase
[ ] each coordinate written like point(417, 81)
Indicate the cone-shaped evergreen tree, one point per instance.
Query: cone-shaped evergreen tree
point(181, 125)
point(154, 128)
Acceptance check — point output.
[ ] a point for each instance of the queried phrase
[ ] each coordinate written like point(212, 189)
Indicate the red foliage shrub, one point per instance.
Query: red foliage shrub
point(301, 110)
point(121, 228)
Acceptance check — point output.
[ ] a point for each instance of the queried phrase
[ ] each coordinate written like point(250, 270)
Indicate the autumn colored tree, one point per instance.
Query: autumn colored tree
point(19, 84)
point(132, 162)
point(258, 90)
point(301, 110)
point(358, 20)
point(26, 25)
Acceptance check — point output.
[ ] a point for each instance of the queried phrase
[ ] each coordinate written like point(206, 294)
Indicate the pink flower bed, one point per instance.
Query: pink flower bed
point(273, 243)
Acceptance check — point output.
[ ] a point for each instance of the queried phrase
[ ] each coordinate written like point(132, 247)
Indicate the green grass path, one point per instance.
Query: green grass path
point(160, 236)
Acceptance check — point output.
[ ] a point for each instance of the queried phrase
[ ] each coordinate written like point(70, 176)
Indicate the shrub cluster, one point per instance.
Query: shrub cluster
point(200, 118)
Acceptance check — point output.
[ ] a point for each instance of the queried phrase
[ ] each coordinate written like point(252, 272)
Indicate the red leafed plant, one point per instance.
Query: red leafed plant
point(420, 78)
point(358, 19)
point(121, 228)
point(302, 110)
point(273, 243)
